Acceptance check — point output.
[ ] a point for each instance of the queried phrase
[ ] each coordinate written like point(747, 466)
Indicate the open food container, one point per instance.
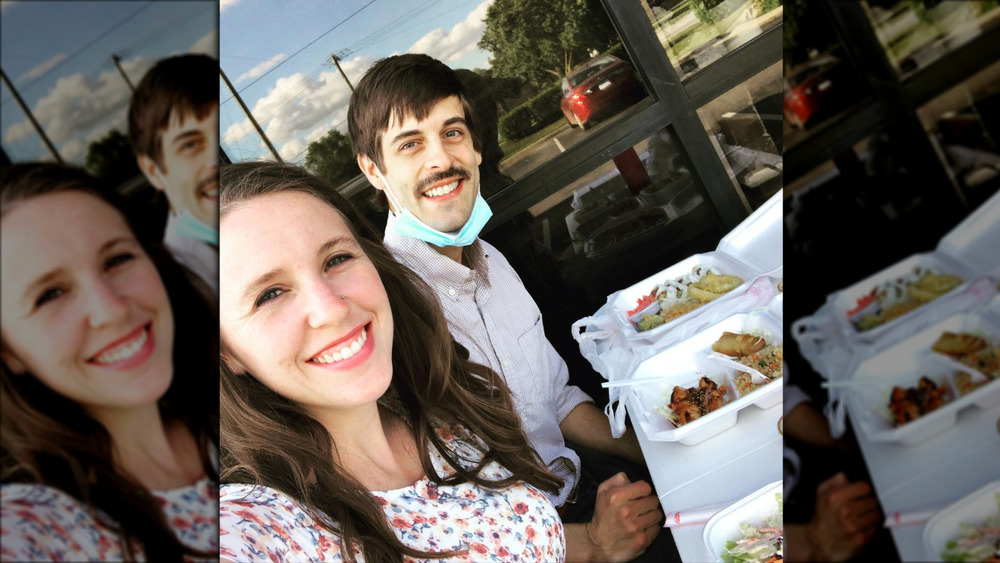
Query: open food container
point(847, 302)
point(973, 509)
point(903, 364)
point(750, 250)
point(758, 509)
point(683, 365)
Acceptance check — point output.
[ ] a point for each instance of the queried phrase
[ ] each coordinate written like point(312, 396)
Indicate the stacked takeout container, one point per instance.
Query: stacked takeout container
point(863, 367)
point(642, 367)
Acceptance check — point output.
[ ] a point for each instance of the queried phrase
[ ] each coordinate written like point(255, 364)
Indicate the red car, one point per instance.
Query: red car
point(808, 89)
point(598, 86)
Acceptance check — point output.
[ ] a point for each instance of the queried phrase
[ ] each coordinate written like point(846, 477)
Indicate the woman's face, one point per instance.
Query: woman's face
point(83, 306)
point(301, 307)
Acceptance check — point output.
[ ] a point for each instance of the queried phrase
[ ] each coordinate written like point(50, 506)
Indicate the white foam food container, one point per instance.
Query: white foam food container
point(847, 299)
point(903, 364)
point(716, 261)
point(752, 509)
point(972, 508)
point(683, 365)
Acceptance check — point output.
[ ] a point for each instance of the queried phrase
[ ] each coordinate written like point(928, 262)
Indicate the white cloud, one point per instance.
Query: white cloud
point(297, 104)
point(223, 4)
point(261, 68)
point(77, 104)
point(452, 45)
point(73, 151)
point(291, 149)
point(42, 68)
point(207, 45)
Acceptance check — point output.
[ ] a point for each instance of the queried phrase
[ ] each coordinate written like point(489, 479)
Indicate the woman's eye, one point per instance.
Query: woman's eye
point(48, 295)
point(119, 259)
point(335, 260)
point(268, 295)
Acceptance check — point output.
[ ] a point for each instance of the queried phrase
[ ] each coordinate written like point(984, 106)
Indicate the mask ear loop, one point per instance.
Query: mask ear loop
point(388, 193)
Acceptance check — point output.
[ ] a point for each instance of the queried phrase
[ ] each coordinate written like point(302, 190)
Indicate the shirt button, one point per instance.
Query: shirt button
point(451, 292)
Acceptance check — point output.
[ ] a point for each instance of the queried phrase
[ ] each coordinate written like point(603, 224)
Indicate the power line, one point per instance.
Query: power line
point(275, 67)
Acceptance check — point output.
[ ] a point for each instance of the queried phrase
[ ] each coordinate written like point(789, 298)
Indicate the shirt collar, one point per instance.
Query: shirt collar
point(444, 269)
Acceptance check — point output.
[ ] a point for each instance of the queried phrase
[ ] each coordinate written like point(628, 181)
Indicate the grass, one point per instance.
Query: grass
point(705, 33)
point(511, 148)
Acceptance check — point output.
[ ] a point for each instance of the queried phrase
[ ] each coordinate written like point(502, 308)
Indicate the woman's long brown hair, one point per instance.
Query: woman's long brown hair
point(48, 439)
point(270, 440)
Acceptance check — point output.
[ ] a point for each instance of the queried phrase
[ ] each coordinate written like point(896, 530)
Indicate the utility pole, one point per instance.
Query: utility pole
point(250, 117)
point(31, 117)
point(117, 60)
point(336, 58)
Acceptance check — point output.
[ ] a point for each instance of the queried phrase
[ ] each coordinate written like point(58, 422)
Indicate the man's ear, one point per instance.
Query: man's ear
point(479, 158)
point(150, 170)
point(370, 170)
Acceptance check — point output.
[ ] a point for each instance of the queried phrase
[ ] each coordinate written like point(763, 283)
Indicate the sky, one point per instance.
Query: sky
point(277, 56)
point(58, 57)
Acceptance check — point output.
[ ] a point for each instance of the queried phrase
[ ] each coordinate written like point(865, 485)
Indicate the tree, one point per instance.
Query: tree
point(332, 158)
point(111, 159)
point(538, 40)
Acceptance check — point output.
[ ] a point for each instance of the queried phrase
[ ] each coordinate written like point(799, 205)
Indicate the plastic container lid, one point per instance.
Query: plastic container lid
point(758, 240)
point(974, 239)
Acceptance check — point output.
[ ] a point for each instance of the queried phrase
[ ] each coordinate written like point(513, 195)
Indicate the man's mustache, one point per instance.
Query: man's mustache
point(443, 175)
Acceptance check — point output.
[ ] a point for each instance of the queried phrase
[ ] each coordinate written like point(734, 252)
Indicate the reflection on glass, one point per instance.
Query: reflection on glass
point(696, 33)
point(745, 126)
point(964, 124)
point(914, 33)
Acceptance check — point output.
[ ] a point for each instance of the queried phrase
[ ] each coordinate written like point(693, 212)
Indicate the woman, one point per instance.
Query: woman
point(109, 393)
point(352, 425)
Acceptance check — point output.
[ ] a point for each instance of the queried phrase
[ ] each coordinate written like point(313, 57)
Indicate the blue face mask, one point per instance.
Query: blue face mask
point(188, 226)
point(408, 225)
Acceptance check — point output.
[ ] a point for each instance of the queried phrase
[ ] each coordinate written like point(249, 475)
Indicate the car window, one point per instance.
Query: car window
point(577, 79)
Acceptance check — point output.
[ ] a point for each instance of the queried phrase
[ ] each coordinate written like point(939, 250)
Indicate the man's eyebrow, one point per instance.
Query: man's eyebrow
point(404, 135)
point(454, 120)
point(185, 135)
point(259, 281)
point(51, 275)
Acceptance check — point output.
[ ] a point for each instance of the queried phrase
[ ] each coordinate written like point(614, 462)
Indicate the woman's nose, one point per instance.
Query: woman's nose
point(326, 305)
point(105, 305)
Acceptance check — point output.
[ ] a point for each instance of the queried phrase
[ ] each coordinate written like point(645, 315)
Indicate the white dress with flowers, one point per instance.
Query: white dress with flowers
point(515, 524)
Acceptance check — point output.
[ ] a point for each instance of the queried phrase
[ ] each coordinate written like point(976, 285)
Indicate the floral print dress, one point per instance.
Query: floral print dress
point(40, 523)
point(515, 524)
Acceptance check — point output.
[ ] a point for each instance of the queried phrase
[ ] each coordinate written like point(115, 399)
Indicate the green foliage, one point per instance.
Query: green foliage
point(533, 115)
point(536, 40)
point(111, 158)
point(712, 11)
point(332, 158)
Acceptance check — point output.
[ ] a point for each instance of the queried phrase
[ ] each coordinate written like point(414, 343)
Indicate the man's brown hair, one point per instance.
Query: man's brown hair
point(181, 85)
point(400, 86)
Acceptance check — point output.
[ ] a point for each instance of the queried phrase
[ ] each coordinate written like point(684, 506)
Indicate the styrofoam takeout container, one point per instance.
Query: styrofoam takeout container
point(752, 509)
point(683, 365)
point(973, 508)
point(716, 261)
point(847, 299)
point(903, 364)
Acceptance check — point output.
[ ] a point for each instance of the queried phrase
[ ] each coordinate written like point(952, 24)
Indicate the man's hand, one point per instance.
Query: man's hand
point(847, 518)
point(626, 520)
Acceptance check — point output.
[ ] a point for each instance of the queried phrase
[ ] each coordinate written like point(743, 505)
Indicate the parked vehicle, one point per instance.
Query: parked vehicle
point(814, 88)
point(598, 86)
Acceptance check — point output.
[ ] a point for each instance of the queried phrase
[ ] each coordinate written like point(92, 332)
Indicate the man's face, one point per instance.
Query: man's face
point(431, 166)
point(189, 175)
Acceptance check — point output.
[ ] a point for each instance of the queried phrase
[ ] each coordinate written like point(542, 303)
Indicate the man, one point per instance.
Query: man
point(173, 119)
point(415, 139)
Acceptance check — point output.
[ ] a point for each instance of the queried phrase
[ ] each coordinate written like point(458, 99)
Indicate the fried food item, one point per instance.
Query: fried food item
point(736, 345)
point(712, 286)
point(679, 309)
point(899, 309)
point(781, 285)
point(960, 344)
point(694, 402)
point(986, 361)
point(930, 286)
point(908, 404)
